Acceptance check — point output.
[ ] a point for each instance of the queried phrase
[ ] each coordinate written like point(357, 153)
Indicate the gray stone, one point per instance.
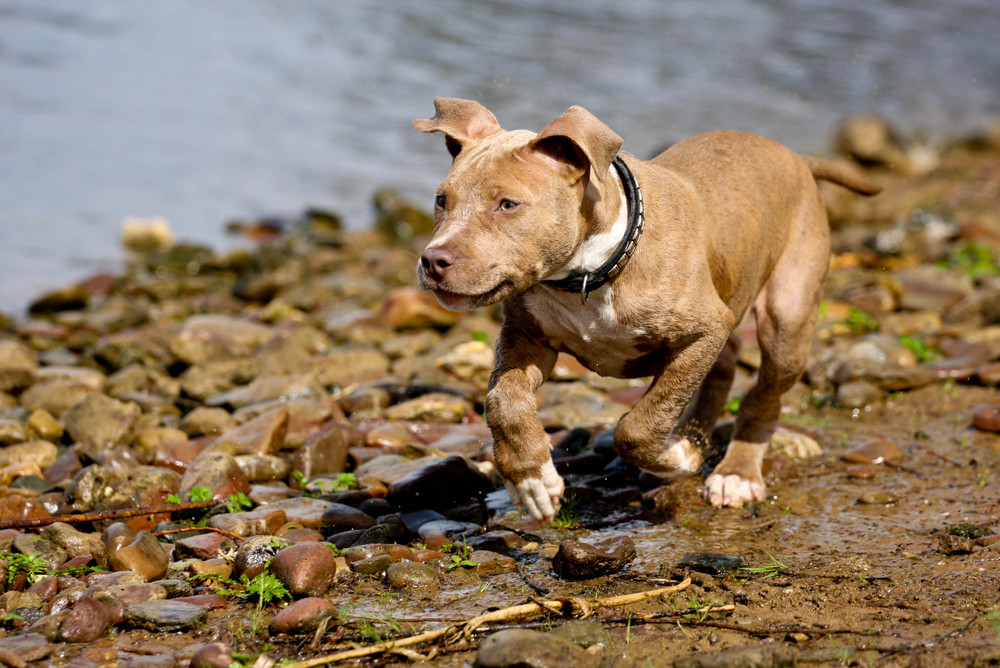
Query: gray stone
point(411, 575)
point(523, 648)
point(164, 615)
point(580, 561)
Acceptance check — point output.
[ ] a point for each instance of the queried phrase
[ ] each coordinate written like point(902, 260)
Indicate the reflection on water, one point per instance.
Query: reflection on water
point(200, 111)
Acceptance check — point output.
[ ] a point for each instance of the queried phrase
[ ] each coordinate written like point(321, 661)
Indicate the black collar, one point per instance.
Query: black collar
point(587, 283)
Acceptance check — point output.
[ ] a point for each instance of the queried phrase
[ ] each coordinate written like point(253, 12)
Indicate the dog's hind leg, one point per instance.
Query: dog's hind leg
point(786, 312)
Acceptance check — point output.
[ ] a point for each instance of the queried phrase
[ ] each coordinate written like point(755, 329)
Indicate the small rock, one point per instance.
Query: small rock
point(302, 616)
point(205, 420)
point(305, 568)
point(164, 616)
point(524, 648)
point(303, 511)
point(410, 575)
point(18, 366)
point(431, 407)
point(876, 452)
point(878, 498)
point(100, 422)
point(951, 544)
point(212, 655)
point(87, 621)
point(754, 656)
point(793, 444)
point(857, 394)
point(263, 521)
point(580, 561)
point(254, 554)
point(583, 633)
point(219, 472)
point(861, 471)
point(340, 517)
point(205, 338)
point(987, 416)
point(710, 562)
point(144, 555)
point(263, 435)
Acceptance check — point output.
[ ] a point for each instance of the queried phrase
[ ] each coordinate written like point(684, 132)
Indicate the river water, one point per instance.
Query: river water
point(201, 112)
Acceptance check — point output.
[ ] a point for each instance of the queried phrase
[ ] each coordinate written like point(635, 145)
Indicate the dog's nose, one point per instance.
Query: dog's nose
point(435, 262)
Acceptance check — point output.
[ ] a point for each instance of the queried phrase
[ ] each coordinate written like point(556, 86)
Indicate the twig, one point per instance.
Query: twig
point(940, 456)
point(99, 515)
point(223, 532)
point(578, 605)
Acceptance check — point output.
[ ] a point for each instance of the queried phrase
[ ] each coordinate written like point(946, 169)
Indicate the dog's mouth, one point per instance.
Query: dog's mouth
point(457, 301)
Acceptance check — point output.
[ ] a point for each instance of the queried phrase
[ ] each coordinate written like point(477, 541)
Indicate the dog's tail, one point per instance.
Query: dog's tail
point(827, 171)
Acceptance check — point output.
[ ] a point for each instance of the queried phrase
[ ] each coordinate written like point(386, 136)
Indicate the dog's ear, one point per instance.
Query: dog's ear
point(579, 139)
point(464, 122)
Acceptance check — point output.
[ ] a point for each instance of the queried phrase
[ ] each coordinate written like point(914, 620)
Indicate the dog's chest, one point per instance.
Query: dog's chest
point(591, 330)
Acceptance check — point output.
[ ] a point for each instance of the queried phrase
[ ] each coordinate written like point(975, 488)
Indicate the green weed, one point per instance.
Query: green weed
point(33, 565)
point(768, 569)
point(923, 350)
point(860, 322)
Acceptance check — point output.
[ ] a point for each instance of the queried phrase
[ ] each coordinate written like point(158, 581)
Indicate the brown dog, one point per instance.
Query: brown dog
point(638, 269)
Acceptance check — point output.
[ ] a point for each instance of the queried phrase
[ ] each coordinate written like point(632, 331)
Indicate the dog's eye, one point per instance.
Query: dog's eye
point(508, 205)
point(439, 201)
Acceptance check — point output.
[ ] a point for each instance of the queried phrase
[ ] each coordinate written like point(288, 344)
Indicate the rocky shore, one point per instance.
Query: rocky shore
point(278, 454)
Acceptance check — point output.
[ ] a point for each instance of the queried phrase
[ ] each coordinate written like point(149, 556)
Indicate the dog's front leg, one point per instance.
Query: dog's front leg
point(521, 448)
point(644, 437)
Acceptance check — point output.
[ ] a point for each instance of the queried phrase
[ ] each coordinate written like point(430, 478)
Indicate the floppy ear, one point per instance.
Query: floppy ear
point(464, 122)
point(578, 139)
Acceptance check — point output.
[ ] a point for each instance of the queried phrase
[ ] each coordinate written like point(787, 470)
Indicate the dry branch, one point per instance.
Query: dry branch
point(99, 515)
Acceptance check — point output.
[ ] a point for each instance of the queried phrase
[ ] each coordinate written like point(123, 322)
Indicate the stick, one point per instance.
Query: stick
point(223, 532)
point(512, 613)
point(97, 515)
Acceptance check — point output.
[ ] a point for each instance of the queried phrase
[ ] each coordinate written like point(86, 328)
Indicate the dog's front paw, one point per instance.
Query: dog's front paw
point(538, 495)
point(732, 490)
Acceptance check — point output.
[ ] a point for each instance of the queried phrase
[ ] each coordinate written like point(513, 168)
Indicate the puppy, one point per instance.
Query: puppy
point(637, 269)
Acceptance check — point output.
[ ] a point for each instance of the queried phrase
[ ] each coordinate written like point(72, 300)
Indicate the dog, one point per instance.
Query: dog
point(637, 268)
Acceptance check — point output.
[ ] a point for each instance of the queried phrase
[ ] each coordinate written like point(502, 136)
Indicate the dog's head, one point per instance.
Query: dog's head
point(515, 205)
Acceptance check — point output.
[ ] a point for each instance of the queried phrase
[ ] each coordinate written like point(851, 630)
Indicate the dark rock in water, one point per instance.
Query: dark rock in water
point(497, 541)
point(164, 615)
point(345, 539)
point(523, 648)
point(384, 533)
point(580, 561)
point(441, 485)
point(410, 575)
point(29, 646)
point(340, 517)
point(754, 656)
point(583, 633)
point(710, 562)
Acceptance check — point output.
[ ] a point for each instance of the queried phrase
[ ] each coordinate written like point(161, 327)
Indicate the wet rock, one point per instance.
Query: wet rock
point(42, 424)
point(305, 568)
point(205, 420)
point(54, 396)
point(431, 407)
point(203, 545)
point(212, 655)
point(470, 361)
point(205, 338)
point(99, 422)
point(951, 544)
point(88, 620)
point(258, 522)
point(144, 555)
point(406, 308)
point(11, 431)
point(137, 593)
point(302, 616)
point(712, 563)
point(524, 648)
point(340, 517)
point(32, 544)
point(451, 530)
point(987, 416)
point(41, 454)
point(857, 394)
point(861, 471)
point(876, 451)
point(164, 616)
point(373, 565)
point(384, 533)
point(303, 511)
point(580, 561)
point(76, 543)
point(262, 435)
point(28, 646)
point(754, 656)
point(413, 576)
point(583, 634)
point(491, 563)
point(254, 554)
point(175, 588)
point(219, 472)
point(793, 444)
point(931, 288)
point(323, 452)
point(574, 405)
point(439, 485)
point(18, 366)
point(263, 468)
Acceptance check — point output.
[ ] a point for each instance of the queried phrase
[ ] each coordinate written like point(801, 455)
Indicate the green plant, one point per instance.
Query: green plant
point(238, 502)
point(77, 570)
point(733, 405)
point(33, 565)
point(923, 350)
point(767, 569)
point(567, 515)
point(482, 337)
point(975, 259)
point(457, 561)
point(196, 494)
point(860, 322)
point(966, 530)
